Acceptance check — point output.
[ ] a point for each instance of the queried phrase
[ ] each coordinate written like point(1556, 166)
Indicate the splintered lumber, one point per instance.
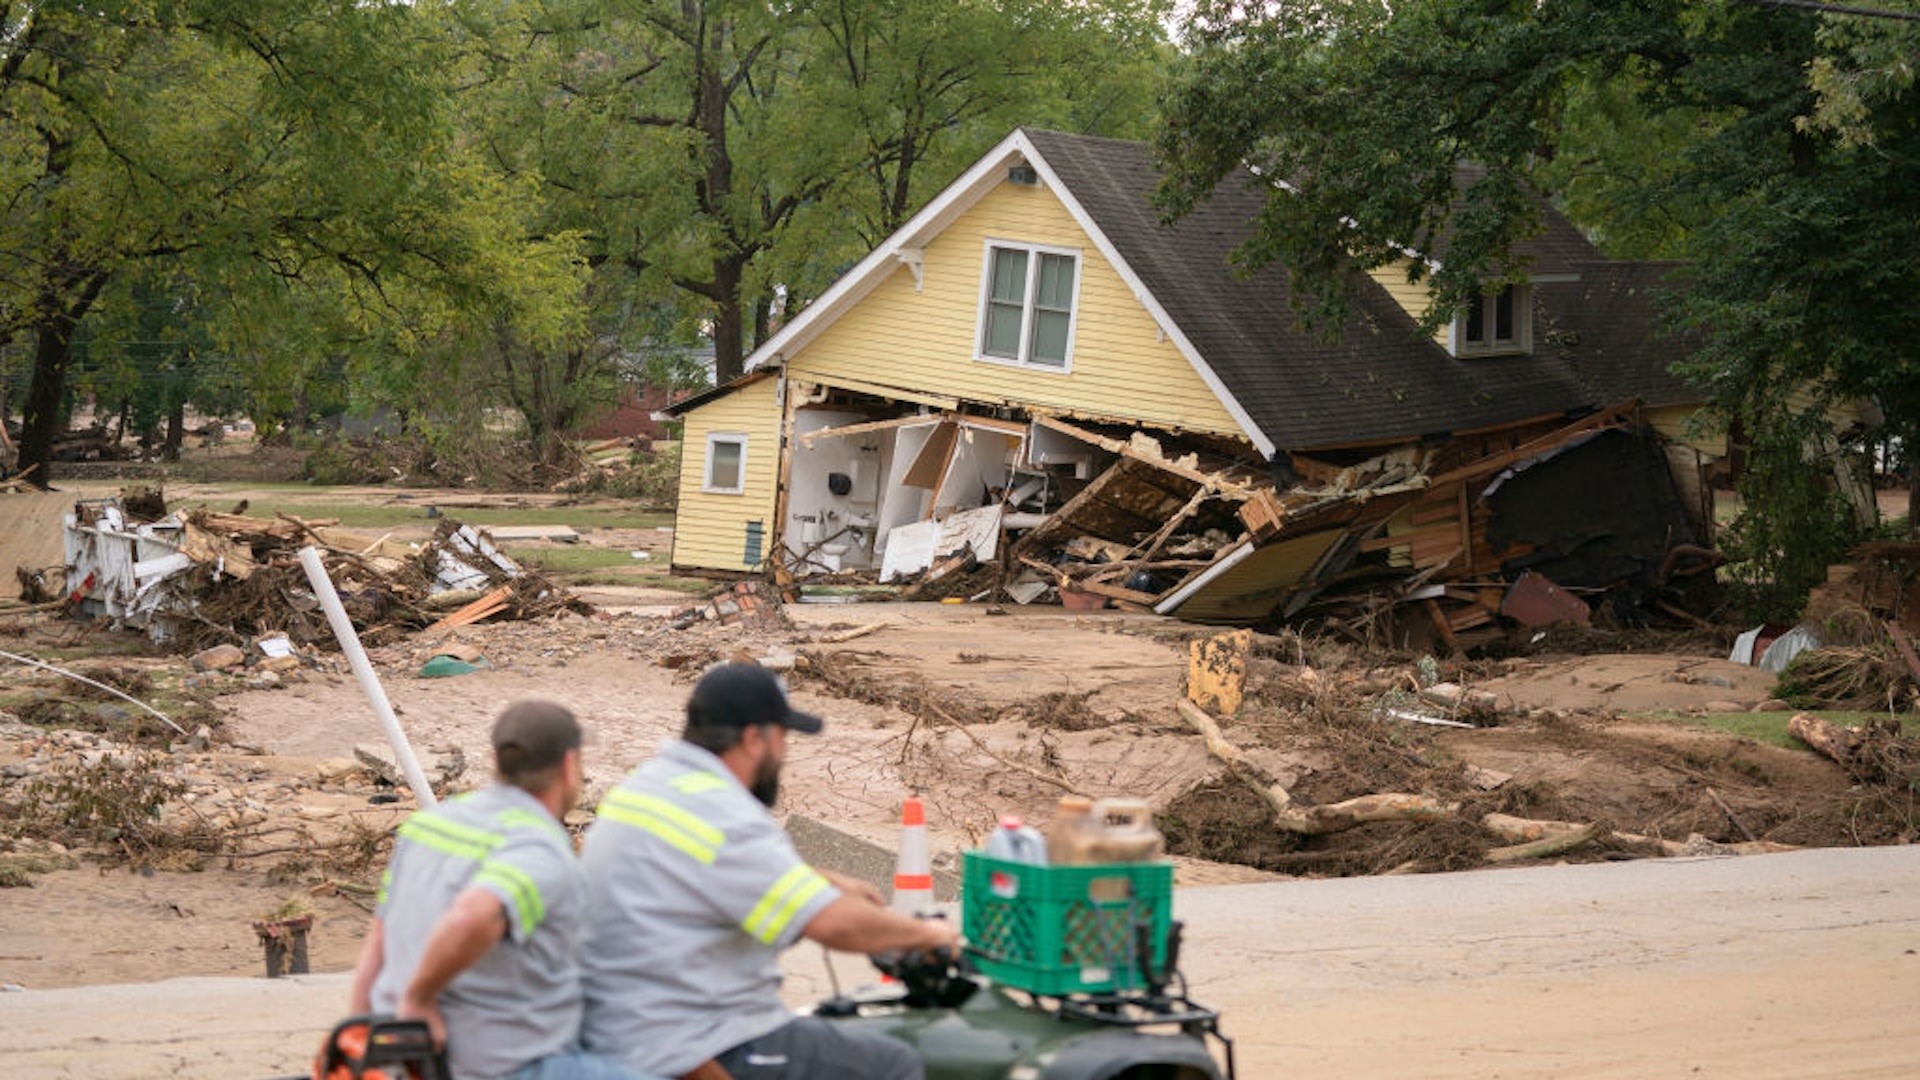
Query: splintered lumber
point(1547, 845)
point(1341, 816)
point(1235, 759)
point(490, 603)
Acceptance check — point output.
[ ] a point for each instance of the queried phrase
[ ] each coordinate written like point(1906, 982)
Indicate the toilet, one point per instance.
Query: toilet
point(832, 553)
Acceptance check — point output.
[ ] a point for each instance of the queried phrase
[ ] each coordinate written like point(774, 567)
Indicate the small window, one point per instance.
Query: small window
point(1495, 323)
point(1027, 304)
point(726, 464)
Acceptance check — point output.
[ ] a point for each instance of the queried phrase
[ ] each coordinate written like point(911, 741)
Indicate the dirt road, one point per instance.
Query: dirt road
point(1802, 965)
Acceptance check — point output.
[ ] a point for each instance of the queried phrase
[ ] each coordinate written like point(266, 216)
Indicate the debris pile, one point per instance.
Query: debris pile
point(1532, 528)
point(198, 577)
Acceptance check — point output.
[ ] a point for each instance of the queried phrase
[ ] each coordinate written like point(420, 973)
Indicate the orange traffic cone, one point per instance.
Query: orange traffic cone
point(913, 873)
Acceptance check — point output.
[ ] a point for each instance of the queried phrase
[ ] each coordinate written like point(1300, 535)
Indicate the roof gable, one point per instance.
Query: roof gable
point(1287, 388)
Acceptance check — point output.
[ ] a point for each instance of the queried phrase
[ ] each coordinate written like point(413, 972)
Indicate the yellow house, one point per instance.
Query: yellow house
point(1033, 320)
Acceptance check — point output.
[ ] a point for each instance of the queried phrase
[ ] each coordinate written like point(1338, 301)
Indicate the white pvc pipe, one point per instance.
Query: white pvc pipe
point(369, 682)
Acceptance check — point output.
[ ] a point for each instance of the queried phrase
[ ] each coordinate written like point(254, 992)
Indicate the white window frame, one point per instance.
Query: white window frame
point(1522, 341)
point(715, 438)
point(1034, 251)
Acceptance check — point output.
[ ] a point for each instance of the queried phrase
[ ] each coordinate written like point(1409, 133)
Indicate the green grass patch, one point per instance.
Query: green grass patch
point(357, 513)
point(573, 558)
point(578, 565)
point(1771, 727)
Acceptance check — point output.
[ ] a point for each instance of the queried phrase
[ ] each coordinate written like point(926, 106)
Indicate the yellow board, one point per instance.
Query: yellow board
point(923, 335)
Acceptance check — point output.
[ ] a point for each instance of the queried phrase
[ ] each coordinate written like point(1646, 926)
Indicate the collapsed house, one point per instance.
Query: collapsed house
point(1036, 374)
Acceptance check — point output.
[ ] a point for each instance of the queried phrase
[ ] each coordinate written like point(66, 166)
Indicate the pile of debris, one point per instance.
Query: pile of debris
point(1535, 527)
point(196, 578)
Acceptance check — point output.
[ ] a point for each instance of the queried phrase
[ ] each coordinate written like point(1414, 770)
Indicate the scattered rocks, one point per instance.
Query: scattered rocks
point(218, 658)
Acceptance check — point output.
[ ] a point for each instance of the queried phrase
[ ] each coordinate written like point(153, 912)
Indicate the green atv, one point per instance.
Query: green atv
point(963, 1025)
point(967, 1027)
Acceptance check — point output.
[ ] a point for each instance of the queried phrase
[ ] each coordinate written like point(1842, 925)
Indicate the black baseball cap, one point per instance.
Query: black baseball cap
point(745, 695)
point(531, 735)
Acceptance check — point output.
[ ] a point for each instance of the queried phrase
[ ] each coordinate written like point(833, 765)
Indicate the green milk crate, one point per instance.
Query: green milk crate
point(1064, 929)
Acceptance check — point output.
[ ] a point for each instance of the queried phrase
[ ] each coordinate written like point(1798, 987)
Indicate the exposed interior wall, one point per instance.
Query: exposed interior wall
point(714, 531)
point(922, 335)
point(818, 516)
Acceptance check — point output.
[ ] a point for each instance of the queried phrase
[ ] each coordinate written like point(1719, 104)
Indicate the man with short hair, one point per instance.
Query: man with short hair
point(695, 891)
point(482, 913)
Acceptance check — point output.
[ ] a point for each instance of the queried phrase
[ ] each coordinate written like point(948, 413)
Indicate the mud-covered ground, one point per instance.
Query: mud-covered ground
point(981, 713)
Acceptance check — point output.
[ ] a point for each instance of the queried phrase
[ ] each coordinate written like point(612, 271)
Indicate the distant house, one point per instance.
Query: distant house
point(636, 409)
point(1037, 323)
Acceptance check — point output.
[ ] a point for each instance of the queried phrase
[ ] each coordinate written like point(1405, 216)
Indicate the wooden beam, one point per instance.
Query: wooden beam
point(871, 425)
point(1551, 440)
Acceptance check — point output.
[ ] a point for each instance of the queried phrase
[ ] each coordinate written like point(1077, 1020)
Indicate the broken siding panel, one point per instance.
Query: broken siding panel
point(1121, 366)
point(710, 531)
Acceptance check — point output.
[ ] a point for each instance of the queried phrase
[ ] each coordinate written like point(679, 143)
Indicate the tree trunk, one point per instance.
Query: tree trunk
point(729, 329)
point(176, 431)
point(52, 356)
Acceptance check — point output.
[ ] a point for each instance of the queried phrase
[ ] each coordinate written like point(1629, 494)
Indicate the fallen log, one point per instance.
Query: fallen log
point(1519, 830)
point(1553, 844)
point(1341, 816)
point(1235, 759)
point(1838, 743)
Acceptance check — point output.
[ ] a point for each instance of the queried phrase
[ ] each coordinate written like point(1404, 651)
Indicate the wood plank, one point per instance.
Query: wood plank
point(1409, 539)
point(930, 464)
point(1116, 592)
point(1551, 440)
point(488, 604)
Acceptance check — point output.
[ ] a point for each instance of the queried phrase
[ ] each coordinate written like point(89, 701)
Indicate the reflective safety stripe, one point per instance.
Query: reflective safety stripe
point(769, 918)
point(526, 895)
point(694, 783)
point(683, 830)
point(459, 841)
point(386, 882)
point(529, 819)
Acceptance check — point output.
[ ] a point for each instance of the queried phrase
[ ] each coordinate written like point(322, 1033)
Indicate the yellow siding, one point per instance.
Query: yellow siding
point(710, 530)
point(1676, 423)
point(1412, 297)
point(1121, 366)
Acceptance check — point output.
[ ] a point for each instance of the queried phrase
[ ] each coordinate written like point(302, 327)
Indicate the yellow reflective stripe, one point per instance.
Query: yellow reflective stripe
point(646, 822)
point(526, 895)
point(530, 819)
point(777, 908)
point(386, 882)
point(459, 841)
point(694, 783)
point(687, 821)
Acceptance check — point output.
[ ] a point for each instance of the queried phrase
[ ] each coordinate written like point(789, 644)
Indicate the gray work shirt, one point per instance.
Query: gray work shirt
point(521, 1001)
point(695, 891)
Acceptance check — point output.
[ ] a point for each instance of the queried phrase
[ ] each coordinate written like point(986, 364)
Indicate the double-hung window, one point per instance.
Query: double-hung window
point(726, 464)
point(1027, 305)
point(1499, 322)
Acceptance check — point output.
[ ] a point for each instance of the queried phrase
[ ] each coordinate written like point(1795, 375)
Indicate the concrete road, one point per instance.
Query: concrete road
point(1802, 965)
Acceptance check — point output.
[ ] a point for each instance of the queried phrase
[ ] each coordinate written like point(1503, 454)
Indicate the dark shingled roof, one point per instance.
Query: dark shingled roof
point(1607, 326)
point(1383, 381)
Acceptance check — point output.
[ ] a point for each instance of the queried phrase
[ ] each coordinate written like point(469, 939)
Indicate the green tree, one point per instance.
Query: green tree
point(270, 151)
point(1799, 239)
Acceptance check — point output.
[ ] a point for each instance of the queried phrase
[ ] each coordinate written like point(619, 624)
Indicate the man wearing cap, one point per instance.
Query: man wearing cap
point(482, 913)
point(695, 891)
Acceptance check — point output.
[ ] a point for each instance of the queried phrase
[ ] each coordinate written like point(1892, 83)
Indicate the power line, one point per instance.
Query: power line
point(1841, 9)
